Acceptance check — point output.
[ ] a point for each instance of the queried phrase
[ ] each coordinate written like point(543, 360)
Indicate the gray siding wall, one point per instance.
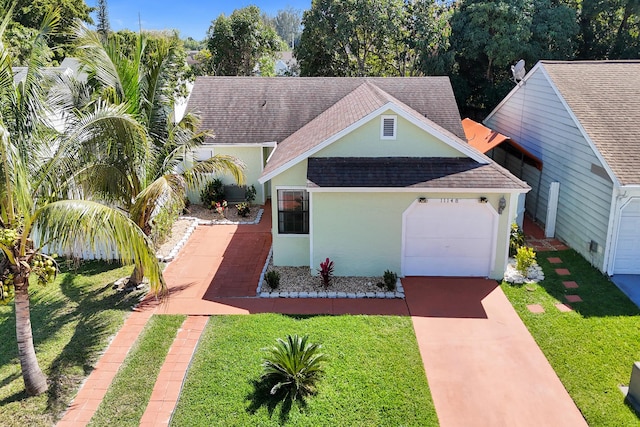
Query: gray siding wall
point(535, 118)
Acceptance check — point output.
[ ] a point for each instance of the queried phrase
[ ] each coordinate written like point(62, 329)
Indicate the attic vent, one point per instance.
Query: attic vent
point(388, 127)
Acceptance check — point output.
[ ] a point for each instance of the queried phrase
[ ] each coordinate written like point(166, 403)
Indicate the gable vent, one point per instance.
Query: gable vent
point(388, 130)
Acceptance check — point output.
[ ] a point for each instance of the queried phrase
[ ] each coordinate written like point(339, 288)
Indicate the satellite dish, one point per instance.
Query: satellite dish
point(518, 71)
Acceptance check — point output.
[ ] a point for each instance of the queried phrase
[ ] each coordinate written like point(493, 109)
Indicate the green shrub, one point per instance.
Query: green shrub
point(516, 239)
point(272, 278)
point(162, 223)
point(250, 194)
point(525, 258)
point(243, 209)
point(390, 279)
point(212, 193)
point(294, 366)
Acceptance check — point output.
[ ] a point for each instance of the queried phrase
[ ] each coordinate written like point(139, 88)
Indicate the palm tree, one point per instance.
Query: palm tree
point(35, 152)
point(144, 175)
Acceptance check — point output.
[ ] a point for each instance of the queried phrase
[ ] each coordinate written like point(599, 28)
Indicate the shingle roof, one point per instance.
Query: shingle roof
point(264, 109)
point(365, 99)
point(408, 172)
point(605, 97)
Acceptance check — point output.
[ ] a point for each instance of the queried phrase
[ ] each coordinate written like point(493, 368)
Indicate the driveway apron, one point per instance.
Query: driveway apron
point(482, 364)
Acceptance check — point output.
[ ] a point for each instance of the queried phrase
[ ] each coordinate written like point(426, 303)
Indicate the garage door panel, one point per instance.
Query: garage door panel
point(445, 266)
point(445, 247)
point(627, 260)
point(449, 239)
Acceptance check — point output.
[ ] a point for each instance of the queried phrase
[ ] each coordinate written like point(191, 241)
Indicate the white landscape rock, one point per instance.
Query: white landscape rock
point(534, 274)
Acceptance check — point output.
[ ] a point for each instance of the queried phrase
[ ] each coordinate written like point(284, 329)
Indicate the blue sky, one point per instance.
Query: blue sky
point(190, 17)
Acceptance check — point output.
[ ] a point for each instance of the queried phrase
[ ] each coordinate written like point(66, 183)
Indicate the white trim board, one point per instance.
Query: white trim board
point(415, 190)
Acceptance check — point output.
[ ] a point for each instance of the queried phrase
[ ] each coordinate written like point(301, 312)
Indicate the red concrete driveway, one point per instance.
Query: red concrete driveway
point(482, 364)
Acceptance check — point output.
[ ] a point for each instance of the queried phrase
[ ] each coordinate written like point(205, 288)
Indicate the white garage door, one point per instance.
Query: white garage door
point(449, 238)
point(628, 247)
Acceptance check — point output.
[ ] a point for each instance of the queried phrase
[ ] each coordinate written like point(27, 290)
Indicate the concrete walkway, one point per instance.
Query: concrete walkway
point(483, 366)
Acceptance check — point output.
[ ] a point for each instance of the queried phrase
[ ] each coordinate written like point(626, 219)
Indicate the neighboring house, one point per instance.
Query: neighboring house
point(490, 142)
point(286, 64)
point(581, 119)
point(373, 173)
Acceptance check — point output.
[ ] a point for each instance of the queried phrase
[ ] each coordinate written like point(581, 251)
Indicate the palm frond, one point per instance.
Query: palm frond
point(168, 190)
point(218, 164)
point(73, 223)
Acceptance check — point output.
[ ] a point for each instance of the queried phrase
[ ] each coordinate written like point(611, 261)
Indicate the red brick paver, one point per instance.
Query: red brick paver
point(570, 284)
point(573, 298)
point(565, 308)
point(95, 387)
point(170, 379)
point(562, 272)
point(554, 260)
point(535, 308)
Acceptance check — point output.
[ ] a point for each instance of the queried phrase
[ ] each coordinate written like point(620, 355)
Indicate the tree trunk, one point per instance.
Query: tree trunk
point(136, 276)
point(35, 382)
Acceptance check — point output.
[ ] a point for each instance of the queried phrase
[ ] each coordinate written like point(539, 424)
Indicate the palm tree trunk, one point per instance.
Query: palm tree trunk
point(35, 382)
point(136, 276)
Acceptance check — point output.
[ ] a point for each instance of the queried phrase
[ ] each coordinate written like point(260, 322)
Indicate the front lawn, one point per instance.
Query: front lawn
point(374, 376)
point(72, 320)
point(592, 348)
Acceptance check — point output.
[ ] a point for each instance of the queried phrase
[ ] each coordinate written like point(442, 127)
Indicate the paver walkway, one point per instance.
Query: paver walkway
point(483, 367)
point(536, 239)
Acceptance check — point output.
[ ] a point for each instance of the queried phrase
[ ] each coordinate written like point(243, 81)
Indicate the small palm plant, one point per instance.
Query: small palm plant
point(293, 365)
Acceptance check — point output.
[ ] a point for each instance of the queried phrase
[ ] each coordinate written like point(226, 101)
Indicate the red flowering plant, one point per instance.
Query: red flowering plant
point(326, 272)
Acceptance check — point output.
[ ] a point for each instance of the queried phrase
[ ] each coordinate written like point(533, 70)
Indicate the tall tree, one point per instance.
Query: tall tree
point(37, 160)
point(351, 38)
point(489, 36)
point(238, 42)
point(141, 173)
point(102, 26)
point(287, 23)
point(30, 14)
point(609, 29)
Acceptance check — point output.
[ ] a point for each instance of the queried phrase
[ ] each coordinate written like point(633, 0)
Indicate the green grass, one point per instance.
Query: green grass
point(374, 376)
point(591, 349)
point(72, 320)
point(127, 397)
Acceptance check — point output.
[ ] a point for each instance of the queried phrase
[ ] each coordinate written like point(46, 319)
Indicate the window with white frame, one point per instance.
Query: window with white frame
point(293, 212)
point(388, 127)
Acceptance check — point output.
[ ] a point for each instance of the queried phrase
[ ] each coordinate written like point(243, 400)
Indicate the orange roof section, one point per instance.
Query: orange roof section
point(481, 137)
point(484, 139)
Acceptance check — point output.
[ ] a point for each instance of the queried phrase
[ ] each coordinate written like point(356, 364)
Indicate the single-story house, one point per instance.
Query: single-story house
point(580, 118)
point(373, 173)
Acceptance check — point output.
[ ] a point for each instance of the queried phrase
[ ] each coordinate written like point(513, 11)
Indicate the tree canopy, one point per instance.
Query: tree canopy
point(239, 42)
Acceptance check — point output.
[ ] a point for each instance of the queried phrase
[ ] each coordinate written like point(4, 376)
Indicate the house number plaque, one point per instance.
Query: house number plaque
point(449, 200)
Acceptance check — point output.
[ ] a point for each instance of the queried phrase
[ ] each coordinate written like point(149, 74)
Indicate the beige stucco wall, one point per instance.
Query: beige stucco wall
point(362, 232)
point(410, 141)
point(289, 249)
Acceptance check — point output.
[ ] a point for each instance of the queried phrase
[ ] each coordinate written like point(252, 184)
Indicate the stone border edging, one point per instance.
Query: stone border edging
point(399, 293)
point(226, 221)
point(181, 242)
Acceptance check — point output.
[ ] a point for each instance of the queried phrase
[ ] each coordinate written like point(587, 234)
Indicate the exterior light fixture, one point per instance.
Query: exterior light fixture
point(483, 199)
point(422, 200)
point(501, 205)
